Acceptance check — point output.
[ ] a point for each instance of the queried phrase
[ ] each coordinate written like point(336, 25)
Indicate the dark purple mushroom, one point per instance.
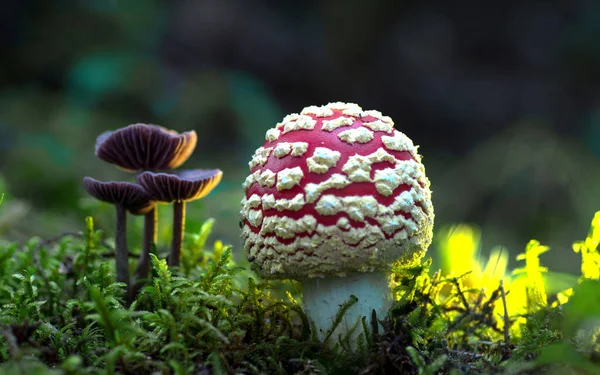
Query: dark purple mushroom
point(143, 147)
point(179, 188)
point(126, 197)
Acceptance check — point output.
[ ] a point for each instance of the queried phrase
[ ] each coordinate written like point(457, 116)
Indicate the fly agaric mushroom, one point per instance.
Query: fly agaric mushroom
point(335, 197)
point(143, 147)
point(179, 188)
point(126, 197)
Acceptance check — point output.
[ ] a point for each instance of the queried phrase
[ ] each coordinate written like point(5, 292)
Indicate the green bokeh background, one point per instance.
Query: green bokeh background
point(504, 100)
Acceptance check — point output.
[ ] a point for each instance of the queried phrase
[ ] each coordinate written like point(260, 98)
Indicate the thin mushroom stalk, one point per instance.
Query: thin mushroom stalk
point(121, 252)
point(179, 208)
point(149, 239)
point(126, 197)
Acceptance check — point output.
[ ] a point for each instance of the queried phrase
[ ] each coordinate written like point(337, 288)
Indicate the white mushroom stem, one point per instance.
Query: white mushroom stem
point(324, 296)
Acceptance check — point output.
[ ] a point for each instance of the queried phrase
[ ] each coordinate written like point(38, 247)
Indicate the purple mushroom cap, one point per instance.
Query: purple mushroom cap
point(181, 186)
point(132, 196)
point(145, 147)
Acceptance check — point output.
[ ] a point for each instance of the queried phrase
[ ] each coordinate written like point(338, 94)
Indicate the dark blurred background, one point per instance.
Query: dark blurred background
point(502, 96)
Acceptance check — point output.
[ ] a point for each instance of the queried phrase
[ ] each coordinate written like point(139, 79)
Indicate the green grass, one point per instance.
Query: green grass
point(61, 312)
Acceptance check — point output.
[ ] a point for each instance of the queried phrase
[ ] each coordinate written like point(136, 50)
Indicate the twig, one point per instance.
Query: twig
point(52, 240)
point(506, 319)
point(11, 341)
point(465, 354)
point(460, 293)
point(112, 254)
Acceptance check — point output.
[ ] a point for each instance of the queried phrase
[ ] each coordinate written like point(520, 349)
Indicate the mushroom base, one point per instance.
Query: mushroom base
point(324, 296)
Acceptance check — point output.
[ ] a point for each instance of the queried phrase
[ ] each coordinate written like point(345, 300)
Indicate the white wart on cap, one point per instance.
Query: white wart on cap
point(335, 190)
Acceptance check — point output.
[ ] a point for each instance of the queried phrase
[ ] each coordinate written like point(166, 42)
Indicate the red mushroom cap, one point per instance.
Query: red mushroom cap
point(335, 190)
point(145, 147)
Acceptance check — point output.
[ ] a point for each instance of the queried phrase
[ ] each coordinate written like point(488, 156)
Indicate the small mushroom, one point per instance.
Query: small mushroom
point(179, 188)
point(143, 147)
point(126, 197)
point(334, 198)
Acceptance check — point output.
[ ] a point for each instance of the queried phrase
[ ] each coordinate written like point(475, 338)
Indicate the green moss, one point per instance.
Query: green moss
point(63, 313)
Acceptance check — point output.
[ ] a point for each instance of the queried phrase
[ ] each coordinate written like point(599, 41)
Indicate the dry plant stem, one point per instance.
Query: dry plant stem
point(506, 318)
point(178, 230)
point(121, 252)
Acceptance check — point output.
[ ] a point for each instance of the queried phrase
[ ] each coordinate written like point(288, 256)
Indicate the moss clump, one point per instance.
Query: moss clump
point(63, 313)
